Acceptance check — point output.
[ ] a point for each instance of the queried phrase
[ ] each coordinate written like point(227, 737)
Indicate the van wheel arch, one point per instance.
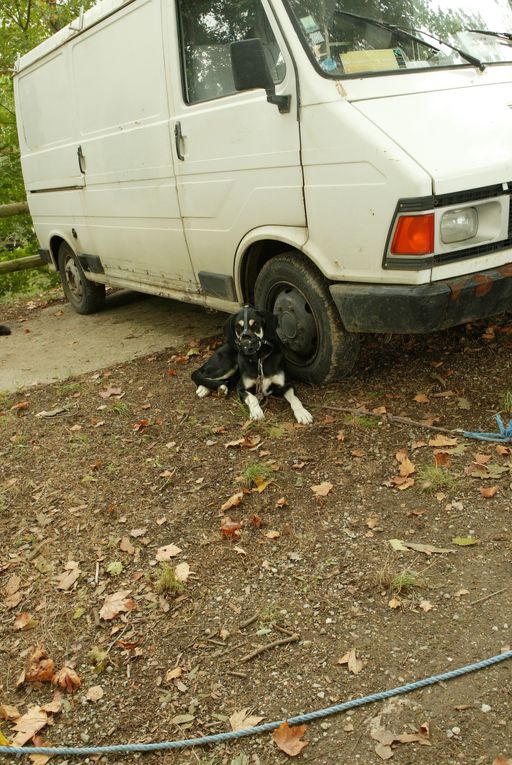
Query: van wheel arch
point(84, 295)
point(317, 346)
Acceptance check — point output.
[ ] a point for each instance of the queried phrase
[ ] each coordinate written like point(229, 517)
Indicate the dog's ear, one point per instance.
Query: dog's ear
point(229, 329)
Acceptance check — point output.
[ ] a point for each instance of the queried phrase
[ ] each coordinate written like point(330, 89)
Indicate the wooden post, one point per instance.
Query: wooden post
point(20, 264)
point(18, 208)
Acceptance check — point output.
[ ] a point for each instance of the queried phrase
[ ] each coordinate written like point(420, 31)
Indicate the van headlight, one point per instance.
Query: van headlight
point(459, 224)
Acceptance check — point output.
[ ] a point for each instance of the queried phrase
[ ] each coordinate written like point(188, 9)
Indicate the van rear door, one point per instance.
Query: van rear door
point(237, 157)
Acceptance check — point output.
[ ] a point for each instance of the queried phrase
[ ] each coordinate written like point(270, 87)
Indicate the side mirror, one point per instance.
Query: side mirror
point(251, 70)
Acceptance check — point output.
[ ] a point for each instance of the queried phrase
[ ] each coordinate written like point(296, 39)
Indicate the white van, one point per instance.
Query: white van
point(346, 164)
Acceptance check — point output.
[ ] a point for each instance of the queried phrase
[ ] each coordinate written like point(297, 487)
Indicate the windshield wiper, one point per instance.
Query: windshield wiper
point(462, 53)
point(389, 27)
point(412, 34)
point(502, 35)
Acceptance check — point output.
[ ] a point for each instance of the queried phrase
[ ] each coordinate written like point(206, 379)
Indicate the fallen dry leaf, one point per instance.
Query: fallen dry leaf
point(502, 761)
point(116, 603)
point(233, 501)
point(395, 603)
point(13, 585)
point(321, 490)
point(354, 664)
point(55, 705)
point(67, 579)
point(67, 679)
point(241, 720)
point(8, 712)
point(421, 398)
point(400, 546)
point(126, 546)
point(273, 534)
point(95, 693)
point(441, 440)
point(25, 621)
point(29, 724)
point(40, 667)
point(4, 741)
point(384, 751)
point(287, 738)
point(402, 482)
point(110, 391)
point(230, 528)
point(167, 552)
point(426, 605)
point(488, 491)
point(182, 572)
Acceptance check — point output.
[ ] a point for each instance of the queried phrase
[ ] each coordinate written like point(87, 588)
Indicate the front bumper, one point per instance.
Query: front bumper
point(402, 309)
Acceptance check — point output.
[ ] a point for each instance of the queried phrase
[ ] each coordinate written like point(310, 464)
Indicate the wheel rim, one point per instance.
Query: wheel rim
point(298, 328)
point(73, 278)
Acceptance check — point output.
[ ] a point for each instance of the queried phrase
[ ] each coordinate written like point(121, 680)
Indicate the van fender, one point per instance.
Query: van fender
point(91, 264)
point(55, 237)
point(295, 237)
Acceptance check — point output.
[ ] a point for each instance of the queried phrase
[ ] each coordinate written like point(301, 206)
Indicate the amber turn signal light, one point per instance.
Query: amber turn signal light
point(414, 235)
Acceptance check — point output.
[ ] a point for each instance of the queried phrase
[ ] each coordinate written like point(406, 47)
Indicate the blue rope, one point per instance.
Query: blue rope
point(504, 435)
point(229, 736)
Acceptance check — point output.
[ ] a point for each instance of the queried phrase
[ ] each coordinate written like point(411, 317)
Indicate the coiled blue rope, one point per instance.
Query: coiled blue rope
point(229, 736)
point(504, 435)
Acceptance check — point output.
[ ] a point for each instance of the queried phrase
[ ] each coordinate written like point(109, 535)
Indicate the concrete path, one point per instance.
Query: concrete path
point(56, 343)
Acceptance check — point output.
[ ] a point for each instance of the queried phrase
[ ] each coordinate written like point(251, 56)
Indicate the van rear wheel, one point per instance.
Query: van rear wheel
point(85, 296)
point(317, 347)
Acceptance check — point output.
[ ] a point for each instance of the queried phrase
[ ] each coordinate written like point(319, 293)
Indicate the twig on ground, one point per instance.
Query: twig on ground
point(262, 648)
point(248, 622)
point(391, 418)
point(486, 597)
point(284, 630)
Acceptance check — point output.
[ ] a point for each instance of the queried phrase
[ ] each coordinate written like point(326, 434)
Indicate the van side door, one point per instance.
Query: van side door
point(130, 196)
point(237, 157)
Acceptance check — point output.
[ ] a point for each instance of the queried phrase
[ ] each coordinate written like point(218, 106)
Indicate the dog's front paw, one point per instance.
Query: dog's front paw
point(303, 416)
point(222, 390)
point(256, 412)
point(202, 391)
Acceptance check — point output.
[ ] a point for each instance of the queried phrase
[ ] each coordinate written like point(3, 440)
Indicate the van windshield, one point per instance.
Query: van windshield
point(357, 37)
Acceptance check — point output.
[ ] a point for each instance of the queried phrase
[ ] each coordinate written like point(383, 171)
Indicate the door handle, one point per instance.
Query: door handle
point(81, 160)
point(178, 137)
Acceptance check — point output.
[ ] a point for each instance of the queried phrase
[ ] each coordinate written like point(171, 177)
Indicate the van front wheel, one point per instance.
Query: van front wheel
point(85, 296)
point(317, 347)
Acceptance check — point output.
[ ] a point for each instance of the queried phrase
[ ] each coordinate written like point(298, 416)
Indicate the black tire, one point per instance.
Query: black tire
point(317, 347)
point(85, 296)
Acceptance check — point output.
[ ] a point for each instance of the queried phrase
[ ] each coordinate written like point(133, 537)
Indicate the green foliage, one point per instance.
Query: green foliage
point(30, 281)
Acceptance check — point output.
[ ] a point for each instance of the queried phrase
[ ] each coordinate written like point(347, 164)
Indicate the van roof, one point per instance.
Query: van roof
point(102, 9)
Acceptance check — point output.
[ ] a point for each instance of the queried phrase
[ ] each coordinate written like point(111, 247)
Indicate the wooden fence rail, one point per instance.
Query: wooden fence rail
point(17, 264)
point(18, 208)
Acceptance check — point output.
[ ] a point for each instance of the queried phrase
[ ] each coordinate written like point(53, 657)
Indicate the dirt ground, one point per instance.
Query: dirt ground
point(113, 483)
point(53, 342)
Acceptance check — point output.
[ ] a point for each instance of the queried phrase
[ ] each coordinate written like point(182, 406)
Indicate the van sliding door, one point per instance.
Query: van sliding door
point(130, 192)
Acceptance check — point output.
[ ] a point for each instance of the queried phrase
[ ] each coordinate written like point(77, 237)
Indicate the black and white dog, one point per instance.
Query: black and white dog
point(253, 359)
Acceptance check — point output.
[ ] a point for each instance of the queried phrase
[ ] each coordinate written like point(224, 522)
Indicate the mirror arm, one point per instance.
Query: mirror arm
point(283, 103)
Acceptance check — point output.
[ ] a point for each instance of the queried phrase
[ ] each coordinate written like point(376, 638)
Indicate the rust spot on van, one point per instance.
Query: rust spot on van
point(484, 285)
point(457, 288)
point(506, 270)
point(481, 284)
